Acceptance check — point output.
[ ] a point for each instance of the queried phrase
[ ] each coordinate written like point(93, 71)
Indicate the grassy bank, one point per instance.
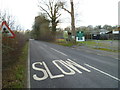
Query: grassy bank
point(15, 75)
point(65, 43)
point(106, 45)
point(69, 44)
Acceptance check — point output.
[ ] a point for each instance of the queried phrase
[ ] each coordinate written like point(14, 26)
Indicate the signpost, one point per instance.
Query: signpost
point(80, 36)
point(6, 31)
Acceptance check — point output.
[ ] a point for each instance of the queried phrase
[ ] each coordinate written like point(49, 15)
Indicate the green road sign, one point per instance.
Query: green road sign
point(79, 35)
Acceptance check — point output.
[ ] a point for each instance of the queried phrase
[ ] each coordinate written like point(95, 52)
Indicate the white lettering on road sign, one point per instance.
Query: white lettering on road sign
point(69, 64)
point(67, 73)
point(51, 76)
point(39, 69)
point(74, 63)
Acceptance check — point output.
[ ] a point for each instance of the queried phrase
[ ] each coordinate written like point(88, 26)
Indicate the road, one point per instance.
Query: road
point(55, 66)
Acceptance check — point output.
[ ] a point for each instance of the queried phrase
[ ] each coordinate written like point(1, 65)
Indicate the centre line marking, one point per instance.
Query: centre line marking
point(102, 72)
point(58, 51)
point(45, 45)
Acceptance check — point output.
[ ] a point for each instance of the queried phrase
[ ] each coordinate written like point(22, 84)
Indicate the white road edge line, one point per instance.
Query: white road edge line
point(102, 72)
point(28, 81)
point(59, 52)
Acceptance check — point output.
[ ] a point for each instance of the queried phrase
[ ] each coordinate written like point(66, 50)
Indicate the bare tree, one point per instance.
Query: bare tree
point(4, 16)
point(11, 21)
point(18, 28)
point(72, 16)
point(51, 8)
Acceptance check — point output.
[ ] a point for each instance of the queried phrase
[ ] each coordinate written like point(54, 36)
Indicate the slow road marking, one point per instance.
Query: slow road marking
point(68, 64)
point(59, 52)
point(102, 72)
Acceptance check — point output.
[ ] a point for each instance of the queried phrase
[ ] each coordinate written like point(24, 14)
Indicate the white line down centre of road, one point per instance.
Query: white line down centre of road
point(59, 52)
point(102, 72)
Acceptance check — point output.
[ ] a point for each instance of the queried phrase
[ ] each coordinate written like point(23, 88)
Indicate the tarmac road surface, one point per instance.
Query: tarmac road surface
point(55, 66)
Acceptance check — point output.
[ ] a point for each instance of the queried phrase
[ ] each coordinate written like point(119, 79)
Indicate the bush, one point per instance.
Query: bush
point(11, 49)
point(11, 52)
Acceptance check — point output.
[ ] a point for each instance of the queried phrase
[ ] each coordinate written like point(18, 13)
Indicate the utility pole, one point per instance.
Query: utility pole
point(73, 20)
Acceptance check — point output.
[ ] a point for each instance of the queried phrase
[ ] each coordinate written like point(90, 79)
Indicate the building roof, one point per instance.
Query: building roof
point(104, 30)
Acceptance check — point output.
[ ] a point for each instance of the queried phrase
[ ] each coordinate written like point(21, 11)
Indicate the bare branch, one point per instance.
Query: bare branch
point(66, 10)
point(45, 4)
point(58, 16)
point(45, 11)
point(51, 7)
point(52, 10)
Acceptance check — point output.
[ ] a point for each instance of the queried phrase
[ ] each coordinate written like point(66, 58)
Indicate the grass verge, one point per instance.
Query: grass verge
point(21, 75)
point(88, 44)
point(15, 76)
point(100, 45)
point(105, 49)
point(69, 44)
point(63, 42)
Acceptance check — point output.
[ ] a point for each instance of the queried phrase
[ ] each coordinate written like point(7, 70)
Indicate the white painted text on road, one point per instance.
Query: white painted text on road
point(68, 64)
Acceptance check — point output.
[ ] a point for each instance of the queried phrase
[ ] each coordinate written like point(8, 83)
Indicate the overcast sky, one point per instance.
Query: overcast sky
point(89, 12)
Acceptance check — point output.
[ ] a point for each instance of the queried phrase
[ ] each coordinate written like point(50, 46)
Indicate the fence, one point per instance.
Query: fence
point(102, 36)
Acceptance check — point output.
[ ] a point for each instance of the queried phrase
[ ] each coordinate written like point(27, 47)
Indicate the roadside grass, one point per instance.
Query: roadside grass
point(63, 42)
point(69, 44)
point(60, 40)
point(100, 45)
point(105, 49)
point(21, 69)
point(87, 43)
point(15, 76)
point(95, 44)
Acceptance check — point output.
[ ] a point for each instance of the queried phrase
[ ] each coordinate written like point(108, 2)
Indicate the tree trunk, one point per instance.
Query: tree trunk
point(54, 30)
point(73, 21)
